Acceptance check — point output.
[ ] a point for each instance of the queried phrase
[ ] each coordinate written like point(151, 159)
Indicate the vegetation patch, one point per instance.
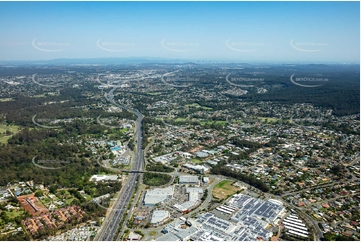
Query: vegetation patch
point(153, 233)
point(156, 179)
point(268, 119)
point(180, 119)
point(154, 93)
point(6, 99)
point(6, 131)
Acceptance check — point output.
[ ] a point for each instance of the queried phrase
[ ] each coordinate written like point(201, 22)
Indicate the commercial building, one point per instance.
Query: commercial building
point(201, 154)
point(158, 195)
point(188, 180)
point(193, 197)
point(196, 168)
point(248, 206)
point(165, 158)
point(212, 162)
point(104, 178)
point(159, 216)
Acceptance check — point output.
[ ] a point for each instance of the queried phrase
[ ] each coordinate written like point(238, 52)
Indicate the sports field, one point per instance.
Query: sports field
point(224, 189)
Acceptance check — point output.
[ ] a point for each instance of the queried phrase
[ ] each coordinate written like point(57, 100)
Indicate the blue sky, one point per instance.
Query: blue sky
point(240, 31)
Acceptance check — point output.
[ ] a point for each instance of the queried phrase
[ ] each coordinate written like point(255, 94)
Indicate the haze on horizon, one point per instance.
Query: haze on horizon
point(234, 31)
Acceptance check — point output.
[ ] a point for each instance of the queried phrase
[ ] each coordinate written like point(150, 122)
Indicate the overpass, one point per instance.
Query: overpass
point(133, 171)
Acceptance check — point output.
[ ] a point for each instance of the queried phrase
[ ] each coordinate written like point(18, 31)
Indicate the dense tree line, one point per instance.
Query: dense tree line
point(156, 179)
point(249, 179)
point(159, 167)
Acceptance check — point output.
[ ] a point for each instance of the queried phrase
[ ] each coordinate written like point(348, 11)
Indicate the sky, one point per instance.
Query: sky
point(315, 32)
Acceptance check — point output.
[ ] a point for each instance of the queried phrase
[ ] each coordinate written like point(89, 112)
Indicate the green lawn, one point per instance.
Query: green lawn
point(14, 213)
point(223, 183)
point(3, 128)
point(196, 161)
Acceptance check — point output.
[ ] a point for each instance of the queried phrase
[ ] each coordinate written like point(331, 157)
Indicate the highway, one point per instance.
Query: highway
point(112, 221)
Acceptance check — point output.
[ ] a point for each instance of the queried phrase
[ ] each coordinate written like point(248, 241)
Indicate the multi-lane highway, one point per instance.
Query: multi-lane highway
point(112, 221)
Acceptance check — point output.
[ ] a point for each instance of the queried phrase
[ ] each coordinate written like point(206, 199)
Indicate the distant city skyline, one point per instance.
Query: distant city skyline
point(315, 32)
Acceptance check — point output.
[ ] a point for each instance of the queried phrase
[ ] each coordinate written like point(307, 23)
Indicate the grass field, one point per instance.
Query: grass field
point(4, 128)
point(196, 105)
point(220, 122)
point(224, 189)
point(269, 120)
